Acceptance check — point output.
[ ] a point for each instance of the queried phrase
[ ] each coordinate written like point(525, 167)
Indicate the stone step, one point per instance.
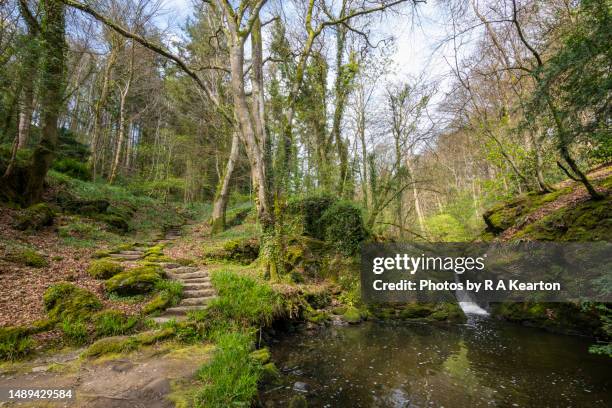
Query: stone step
point(125, 257)
point(189, 275)
point(196, 286)
point(131, 253)
point(169, 265)
point(172, 236)
point(182, 310)
point(194, 280)
point(185, 269)
point(165, 319)
point(204, 300)
point(197, 293)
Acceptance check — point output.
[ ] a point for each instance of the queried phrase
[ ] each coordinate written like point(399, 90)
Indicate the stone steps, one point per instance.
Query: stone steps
point(198, 293)
point(196, 301)
point(125, 257)
point(190, 275)
point(194, 280)
point(188, 285)
point(197, 287)
point(181, 310)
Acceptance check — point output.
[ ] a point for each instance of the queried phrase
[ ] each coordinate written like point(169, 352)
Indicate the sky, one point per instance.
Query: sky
point(414, 40)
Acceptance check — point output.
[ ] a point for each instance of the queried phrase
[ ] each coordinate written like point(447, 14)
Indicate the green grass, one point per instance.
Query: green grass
point(231, 377)
point(113, 323)
point(244, 299)
point(75, 331)
point(169, 294)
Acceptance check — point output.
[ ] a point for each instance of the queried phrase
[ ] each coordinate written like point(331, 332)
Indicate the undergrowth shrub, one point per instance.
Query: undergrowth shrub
point(343, 226)
point(307, 213)
point(72, 168)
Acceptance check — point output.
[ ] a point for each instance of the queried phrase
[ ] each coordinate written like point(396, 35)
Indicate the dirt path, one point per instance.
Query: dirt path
point(145, 378)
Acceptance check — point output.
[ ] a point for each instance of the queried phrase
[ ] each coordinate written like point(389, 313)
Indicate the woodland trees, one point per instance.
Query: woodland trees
point(276, 99)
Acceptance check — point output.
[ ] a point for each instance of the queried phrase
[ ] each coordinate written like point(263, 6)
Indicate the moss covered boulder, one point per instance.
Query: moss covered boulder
point(104, 269)
point(261, 356)
point(416, 311)
point(26, 257)
point(134, 281)
point(65, 301)
point(352, 315)
point(34, 217)
point(120, 344)
point(244, 251)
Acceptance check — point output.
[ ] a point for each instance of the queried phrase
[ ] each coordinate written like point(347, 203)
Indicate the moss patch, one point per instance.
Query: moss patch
point(134, 281)
point(104, 269)
point(587, 221)
point(27, 257)
point(35, 217)
point(351, 315)
point(65, 301)
point(108, 345)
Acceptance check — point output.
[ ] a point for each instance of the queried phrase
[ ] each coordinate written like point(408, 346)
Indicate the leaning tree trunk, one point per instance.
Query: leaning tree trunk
point(222, 196)
point(52, 93)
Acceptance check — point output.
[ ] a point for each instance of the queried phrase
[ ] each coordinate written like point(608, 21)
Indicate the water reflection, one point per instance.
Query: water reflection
point(481, 364)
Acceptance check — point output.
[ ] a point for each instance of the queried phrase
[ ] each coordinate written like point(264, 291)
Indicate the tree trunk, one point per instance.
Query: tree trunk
point(95, 136)
point(222, 196)
point(121, 137)
point(52, 93)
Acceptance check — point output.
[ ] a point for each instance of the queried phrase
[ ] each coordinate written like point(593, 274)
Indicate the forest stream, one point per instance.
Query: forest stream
point(482, 363)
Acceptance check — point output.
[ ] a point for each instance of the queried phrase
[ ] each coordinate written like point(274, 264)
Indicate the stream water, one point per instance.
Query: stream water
point(484, 363)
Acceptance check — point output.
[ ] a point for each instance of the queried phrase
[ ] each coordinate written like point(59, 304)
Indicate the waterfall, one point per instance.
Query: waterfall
point(467, 303)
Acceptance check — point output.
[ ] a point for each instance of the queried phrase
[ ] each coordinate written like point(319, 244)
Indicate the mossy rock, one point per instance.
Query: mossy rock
point(104, 269)
point(243, 251)
point(584, 222)
point(65, 301)
point(565, 318)
point(139, 280)
point(86, 207)
point(352, 315)
point(505, 215)
point(415, 311)
point(26, 257)
point(35, 217)
point(269, 374)
point(154, 336)
point(315, 316)
point(448, 312)
point(119, 344)
point(114, 221)
point(102, 253)
point(160, 301)
point(339, 310)
point(261, 356)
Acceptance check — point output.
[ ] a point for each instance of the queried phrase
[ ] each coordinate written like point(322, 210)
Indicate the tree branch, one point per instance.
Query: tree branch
point(153, 47)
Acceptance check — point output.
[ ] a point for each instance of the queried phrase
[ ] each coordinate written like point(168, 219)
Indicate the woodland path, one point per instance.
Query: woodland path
point(197, 287)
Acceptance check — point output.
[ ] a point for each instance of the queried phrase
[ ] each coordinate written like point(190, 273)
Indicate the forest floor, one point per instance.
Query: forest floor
point(526, 214)
point(145, 377)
